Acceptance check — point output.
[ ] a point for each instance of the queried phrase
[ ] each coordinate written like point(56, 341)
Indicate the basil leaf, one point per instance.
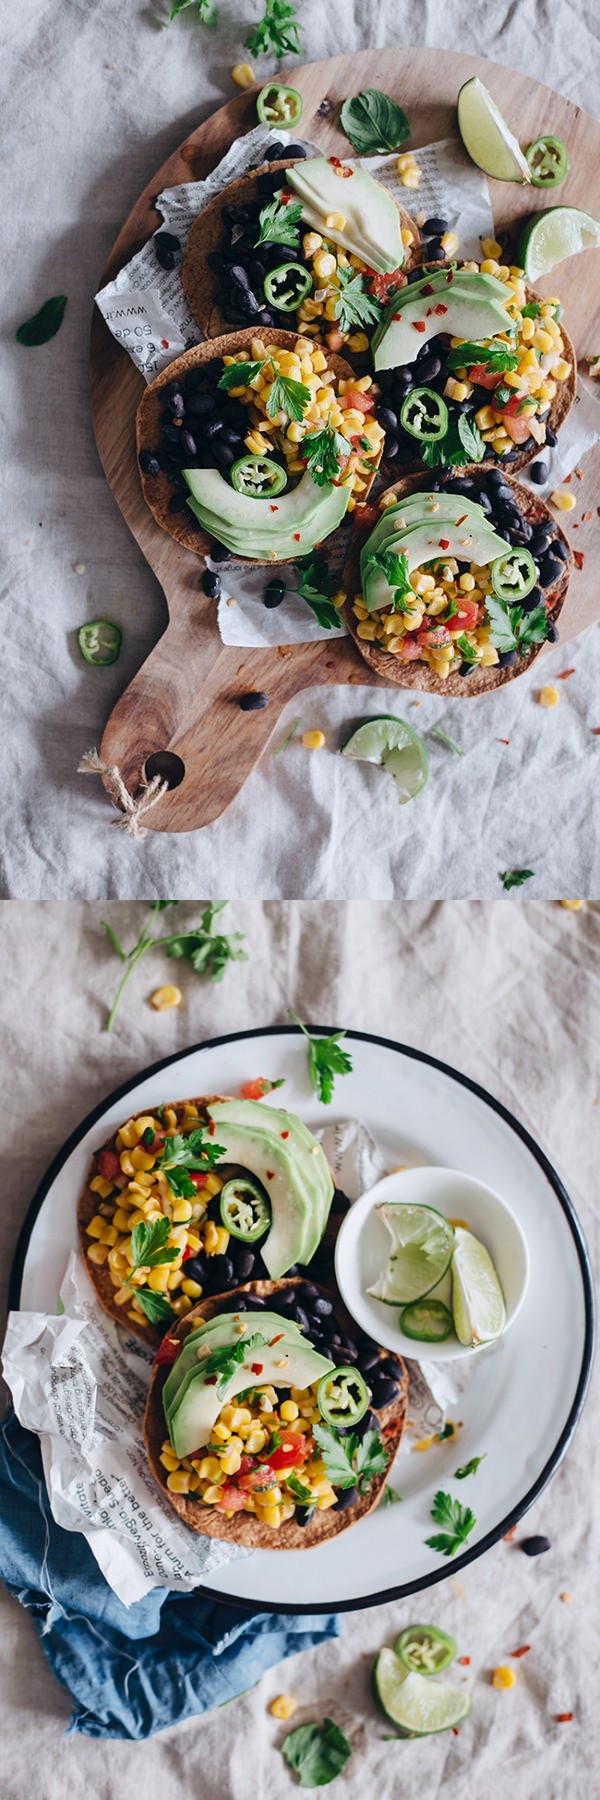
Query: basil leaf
point(317, 1753)
point(44, 324)
point(374, 122)
point(470, 438)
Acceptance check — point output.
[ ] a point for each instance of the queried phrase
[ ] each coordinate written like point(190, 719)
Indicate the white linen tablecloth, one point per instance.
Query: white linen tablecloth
point(510, 997)
point(94, 95)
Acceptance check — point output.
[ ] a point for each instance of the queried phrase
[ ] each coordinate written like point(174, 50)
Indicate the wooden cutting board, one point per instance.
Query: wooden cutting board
point(184, 699)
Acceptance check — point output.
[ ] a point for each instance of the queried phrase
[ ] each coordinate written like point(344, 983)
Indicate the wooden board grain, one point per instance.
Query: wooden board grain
point(185, 697)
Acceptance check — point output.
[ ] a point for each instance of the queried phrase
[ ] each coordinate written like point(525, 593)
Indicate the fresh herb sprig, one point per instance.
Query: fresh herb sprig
point(495, 359)
point(326, 1059)
point(317, 1753)
point(149, 1249)
point(395, 569)
point(278, 31)
point(391, 1497)
point(351, 1461)
point(289, 397)
point(458, 1522)
point(374, 122)
point(240, 374)
point(228, 1357)
point(461, 443)
point(316, 586)
point(513, 878)
point(512, 629)
point(209, 951)
point(179, 1153)
point(354, 306)
point(469, 1468)
point(296, 1487)
point(323, 452)
point(206, 10)
point(280, 224)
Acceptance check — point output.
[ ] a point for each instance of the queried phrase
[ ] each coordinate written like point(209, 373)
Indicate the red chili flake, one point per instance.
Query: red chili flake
point(504, 740)
point(595, 730)
point(462, 519)
point(419, 325)
point(212, 1128)
point(444, 543)
point(168, 1350)
point(187, 1252)
point(569, 478)
point(455, 1731)
point(211, 1381)
point(270, 1174)
point(284, 1134)
point(509, 1534)
point(429, 289)
point(579, 558)
point(297, 536)
point(440, 308)
point(276, 1340)
point(563, 1718)
point(579, 474)
point(565, 674)
point(273, 508)
point(257, 1368)
point(586, 516)
point(522, 1651)
point(465, 1660)
point(286, 194)
point(165, 343)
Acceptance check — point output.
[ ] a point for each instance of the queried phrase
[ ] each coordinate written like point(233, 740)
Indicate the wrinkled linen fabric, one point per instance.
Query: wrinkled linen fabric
point(94, 96)
point(509, 995)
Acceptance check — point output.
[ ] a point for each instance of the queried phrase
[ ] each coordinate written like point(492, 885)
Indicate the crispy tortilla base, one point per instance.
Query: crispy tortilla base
point(157, 489)
point(244, 1528)
point(201, 283)
point(419, 674)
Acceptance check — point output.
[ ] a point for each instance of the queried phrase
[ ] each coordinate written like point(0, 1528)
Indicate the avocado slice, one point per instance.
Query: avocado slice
point(286, 1364)
point(251, 1137)
point(291, 525)
point(422, 508)
point(467, 316)
point(310, 1155)
point(218, 1331)
point(216, 1340)
point(437, 283)
point(421, 544)
point(372, 228)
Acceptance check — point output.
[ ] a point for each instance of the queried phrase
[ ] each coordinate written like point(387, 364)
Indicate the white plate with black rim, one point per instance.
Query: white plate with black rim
point(525, 1393)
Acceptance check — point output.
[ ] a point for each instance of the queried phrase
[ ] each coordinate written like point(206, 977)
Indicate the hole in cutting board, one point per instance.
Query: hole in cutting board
point(166, 764)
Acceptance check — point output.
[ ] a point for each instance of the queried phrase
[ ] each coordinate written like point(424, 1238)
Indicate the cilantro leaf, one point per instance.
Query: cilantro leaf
point(511, 878)
point(441, 737)
point(511, 630)
point(240, 374)
point(533, 629)
point(395, 569)
point(228, 1357)
point(350, 1461)
point(317, 1753)
point(322, 451)
point(180, 1153)
point(207, 11)
point(209, 951)
point(531, 311)
point(373, 122)
point(316, 587)
point(149, 1245)
point(461, 443)
point(458, 1521)
point(278, 31)
point(390, 1496)
point(290, 397)
point(326, 1059)
point(354, 306)
point(156, 1306)
point(495, 358)
point(280, 223)
point(371, 1458)
point(469, 1468)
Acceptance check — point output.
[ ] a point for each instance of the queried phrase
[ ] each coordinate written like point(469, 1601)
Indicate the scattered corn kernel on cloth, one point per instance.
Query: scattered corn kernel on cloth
point(522, 793)
point(507, 995)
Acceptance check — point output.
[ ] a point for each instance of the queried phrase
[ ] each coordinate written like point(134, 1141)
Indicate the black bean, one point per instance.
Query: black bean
point(322, 1306)
point(195, 1268)
point(346, 1497)
point(551, 437)
point(276, 152)
point(287, 1299)
point(541, 537)
point(295, 150)
point(538, 472)
point(404, 379)
point(256, 271)
point(384, 1390)
point(466, 668)
point(238, 274)
point(254, 1303)
point(236, 215)
point(301, 1317)
point(223, 455)
point(533, 599)
point(391, 448)
point(165, 258)
point(369, 1422)
point(273, 594)
point(176, 405)
point(220, 1272)
point(308, 1291)
point(149, 463)
point(213, 428)
point(414, 275)
point(211, 584)
point(429, 368)
point(177, 503)
point(495, 479)
point(435, 252)
point(551, 569)
point(189, 443)
point(168, 240)
point(535, 1546)
point(303, 1514)
point(462, 485)
point(219, 552)
point(559, 548)
point(368, 1359)
point(294, 1270)
point(244, 1263)
point(337, 1355)
point(393, 1366)
point(434, 228)
point(253, 702)
point(387, 418)
point(171, 435)
point(506, 659)
point(269, 183)
point(200, 406)
point(553, 633)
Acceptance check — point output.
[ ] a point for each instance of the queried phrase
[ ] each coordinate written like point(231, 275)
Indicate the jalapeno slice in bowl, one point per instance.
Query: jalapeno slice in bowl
point(548, 162)
point(343, 1397)
point(514, 574)
point(245, 1210)
point(279, 105)
point(425, 415)
point(258, 476)
point(427, 1320)
point(100, 642)
point(425, 1649)
point(287, 285)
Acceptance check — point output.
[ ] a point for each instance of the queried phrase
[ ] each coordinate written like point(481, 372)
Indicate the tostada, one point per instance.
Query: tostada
point(257, 445)
point(189, 1199)
point(271, 1419)
point(311, 243)
point(456, 583)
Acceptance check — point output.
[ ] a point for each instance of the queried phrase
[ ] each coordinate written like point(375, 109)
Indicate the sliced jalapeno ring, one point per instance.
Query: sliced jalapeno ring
point(245, 1210)
point(425, 1649)
point(287, 285)
point(258, 476)
point(548, 162)
point(100, 642)
point(427, 1320)
point(425, 415)
point(514, 574)
point(343, 1396)
point(278, 105)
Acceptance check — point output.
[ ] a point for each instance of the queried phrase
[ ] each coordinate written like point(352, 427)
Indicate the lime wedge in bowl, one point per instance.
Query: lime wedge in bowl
point(417, 1705)
point(478, 1307)
point(552, 235)
point(423, 1243)
point(392, 745)
point(486, 137)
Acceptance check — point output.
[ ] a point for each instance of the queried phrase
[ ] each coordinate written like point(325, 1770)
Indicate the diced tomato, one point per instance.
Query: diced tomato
point(433, 637)
point(289, 1453)
point(362, 402)
point(511, 406)
point(246, 1463)
point(468, 614)
point(409, 650)
point(169, 1350)
point(383, 286)
point(484, 377)
point(198, 1177)
point(518, 429)
point(231, 1499)
point(254, 1090)
point(109, 1165)
point(258, 1480)
point(366, 516)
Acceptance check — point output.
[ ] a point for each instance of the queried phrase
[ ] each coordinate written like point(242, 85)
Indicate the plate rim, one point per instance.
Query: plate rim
point(403, 1589)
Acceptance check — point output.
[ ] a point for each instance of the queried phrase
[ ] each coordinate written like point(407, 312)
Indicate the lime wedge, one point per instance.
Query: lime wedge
point(486, 136)
point(392, 745)
point(423, 1244)
point(478, 1306)
point(552, 235)
point(417, 1705)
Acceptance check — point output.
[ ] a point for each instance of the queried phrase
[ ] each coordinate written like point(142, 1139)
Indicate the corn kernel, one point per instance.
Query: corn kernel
point(231, 1463)
point(335, 221)
point(98, 1253)
point(548, 696)
point(311, 242)
point(484, 418)
point(504, 1678)
point(491, 248)
point(164, 998)
point(283, 1706)
point(358, 341)
point(182, 1211)
point(192, 1288)
point(255, 1441)
point(169, 1460)
point(96, 1226)
point(489, 266)
point(243, 75)
point(450, 242)
point(562, 500)
point(211, 1495)
point(561, 370)
point(572, 906)
point(101, 1187)
point(411, 177)
point(288, 1410)
point(313, 740)
point(179, 1481)
point(408, 237)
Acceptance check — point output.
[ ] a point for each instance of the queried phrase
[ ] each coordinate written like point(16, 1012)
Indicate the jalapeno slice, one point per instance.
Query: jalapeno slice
point(425, 1649)
point(425, 415)
point(287, 285)
point(548, 162)
point(278, 105)
point(100, 642)
point(514, 574)
point(245, 1210)
point(427, 1320)
point(343, 1397)
point(258, 476)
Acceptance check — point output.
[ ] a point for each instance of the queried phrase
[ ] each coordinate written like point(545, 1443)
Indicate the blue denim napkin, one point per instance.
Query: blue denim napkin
point(130, 1671)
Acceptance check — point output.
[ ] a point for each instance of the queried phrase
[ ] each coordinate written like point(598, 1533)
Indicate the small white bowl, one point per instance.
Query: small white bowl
point(364, 1243)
